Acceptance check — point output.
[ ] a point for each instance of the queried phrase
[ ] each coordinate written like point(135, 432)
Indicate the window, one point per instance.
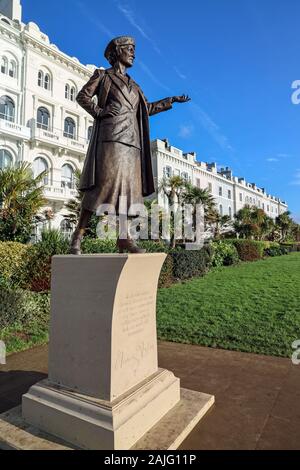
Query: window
point(44, 80)
point(230, 212)
point(250, 200)
point(70, 92)
point(90, 130)
point(67, 177)
point(4, 65)
point(185, 176)
point(40, 78)
point(241, 197)
point(67, 92)
point(220, 191)
point(167, 172)
point(268, 208)
point(198, 183)
point(40, 166)
point(210, 187)
point(272, 209)
point(12, 72)
point(221, 209)
point(47, 82)
point(7, 109)
point(73, 94)
point(229, 194)
point(70, 128)
point(6, 159)
point(263, 206)
point(66, 228)
point(43, 118)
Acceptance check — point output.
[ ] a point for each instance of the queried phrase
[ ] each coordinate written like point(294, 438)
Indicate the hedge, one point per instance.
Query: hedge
point(166, 278)
point(248, 250)
point(291, 246)
point(188, 264)
point(224, 254)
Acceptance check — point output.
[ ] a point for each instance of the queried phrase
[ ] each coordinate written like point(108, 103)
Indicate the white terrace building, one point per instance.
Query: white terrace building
point(230, 193)
point(41, 123)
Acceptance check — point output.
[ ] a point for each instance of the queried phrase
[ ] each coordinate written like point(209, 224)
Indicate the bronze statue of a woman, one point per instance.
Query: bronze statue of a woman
point(118, 161)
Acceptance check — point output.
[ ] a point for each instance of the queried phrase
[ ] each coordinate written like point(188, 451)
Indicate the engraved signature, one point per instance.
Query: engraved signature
point(133, 360)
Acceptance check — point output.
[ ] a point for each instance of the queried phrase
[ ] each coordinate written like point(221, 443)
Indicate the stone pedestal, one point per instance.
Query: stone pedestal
point(104, 390)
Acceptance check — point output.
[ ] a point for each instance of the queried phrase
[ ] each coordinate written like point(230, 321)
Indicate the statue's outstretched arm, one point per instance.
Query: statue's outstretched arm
point(165, 104)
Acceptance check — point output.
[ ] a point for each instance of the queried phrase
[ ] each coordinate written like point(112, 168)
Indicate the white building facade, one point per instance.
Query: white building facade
point(230, 193)
point(41, 123)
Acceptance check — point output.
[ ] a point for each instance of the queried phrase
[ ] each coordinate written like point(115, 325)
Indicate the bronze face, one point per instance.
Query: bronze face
point(126, 55)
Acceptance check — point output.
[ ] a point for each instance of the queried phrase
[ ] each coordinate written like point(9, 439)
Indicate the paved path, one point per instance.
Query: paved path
point(257, 397)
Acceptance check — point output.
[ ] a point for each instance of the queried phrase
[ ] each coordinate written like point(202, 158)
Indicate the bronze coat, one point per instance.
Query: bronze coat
point(100, 85)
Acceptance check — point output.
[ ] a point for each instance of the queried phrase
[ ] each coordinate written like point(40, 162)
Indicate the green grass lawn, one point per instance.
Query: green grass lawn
point(252, 307)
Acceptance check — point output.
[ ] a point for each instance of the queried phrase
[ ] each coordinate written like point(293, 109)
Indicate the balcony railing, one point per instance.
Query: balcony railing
point(11, 128)
point(61, 190)
point(60, 138)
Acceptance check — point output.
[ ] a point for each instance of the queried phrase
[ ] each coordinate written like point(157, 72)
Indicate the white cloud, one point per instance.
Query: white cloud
point(283, 155)
point(99, 25)
point(186, 131)
point(296, 180)
point(211, 127)
point(130, 16)
point(272, 159)
point(179, 73)
point(152, 76)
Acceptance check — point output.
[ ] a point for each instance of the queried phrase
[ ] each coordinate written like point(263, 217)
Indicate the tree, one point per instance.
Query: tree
point(21, 199)
point(74, 206)
point(197, 196)
point(218, 223)
point(285, 224)
point(173, 188)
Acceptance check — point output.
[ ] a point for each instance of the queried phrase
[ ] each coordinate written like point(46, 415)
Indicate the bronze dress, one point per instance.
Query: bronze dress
point(118, 171)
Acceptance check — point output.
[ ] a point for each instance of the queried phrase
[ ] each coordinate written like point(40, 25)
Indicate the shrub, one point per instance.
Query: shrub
point(188, 264)
point(249, 250)
point(23, 307)
point(166, 278)
point(153, 246)
point(224, 254)
point(291, 246)
point(12, 259)
point(273, 251)
point(38, 266)
point(96, 245)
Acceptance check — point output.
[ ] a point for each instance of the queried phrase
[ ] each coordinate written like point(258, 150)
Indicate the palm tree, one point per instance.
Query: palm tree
point(296, 232)
point(197, 196)
point(219, 223)
point(172, 188)
point(74, 204)
point(285, 224)
point(21, 199)
point(244, 224)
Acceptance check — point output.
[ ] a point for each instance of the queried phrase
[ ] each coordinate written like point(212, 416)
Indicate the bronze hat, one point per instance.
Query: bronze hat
point(119, 41)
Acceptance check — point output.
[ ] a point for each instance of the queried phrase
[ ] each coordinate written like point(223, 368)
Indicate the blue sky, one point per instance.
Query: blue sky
point(237, 59)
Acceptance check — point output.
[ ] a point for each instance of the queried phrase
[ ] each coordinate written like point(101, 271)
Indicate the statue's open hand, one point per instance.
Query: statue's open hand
point(181, 99)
